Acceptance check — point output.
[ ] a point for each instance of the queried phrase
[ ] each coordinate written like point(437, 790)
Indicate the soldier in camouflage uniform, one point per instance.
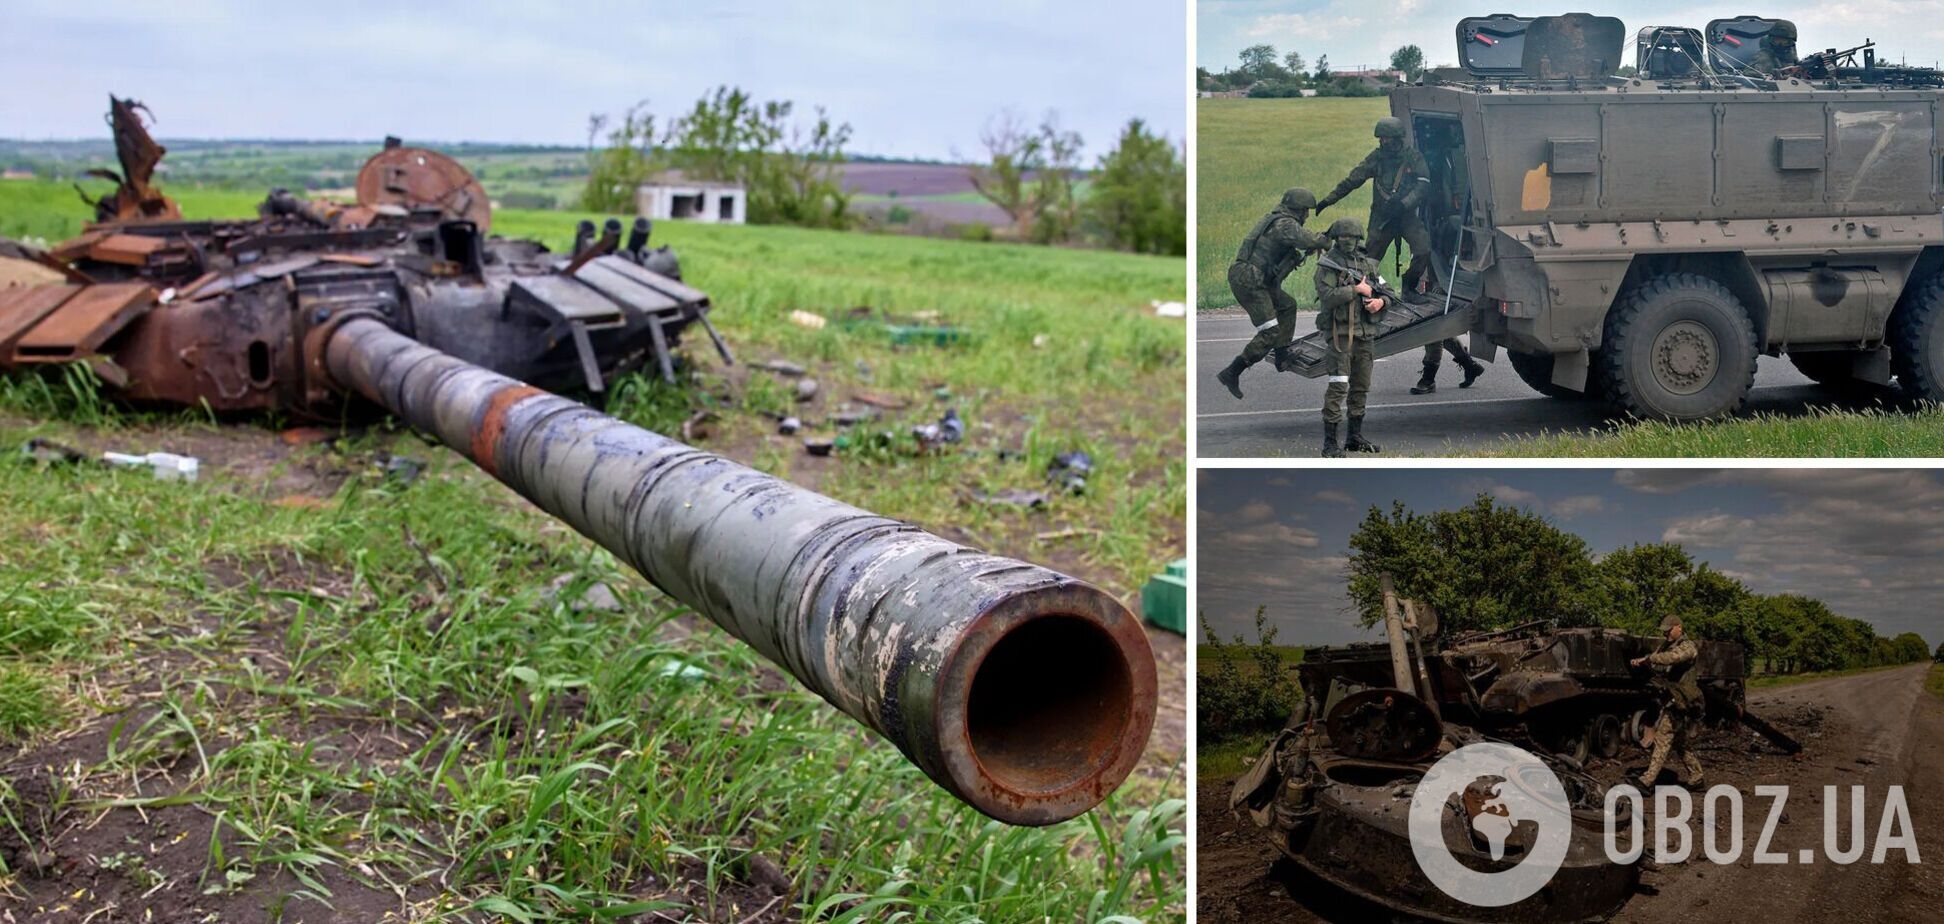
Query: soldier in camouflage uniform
point(1350, 316)
point(1267, 256)
point(1778, 50)
point(1681, 702)
point(1400, 182)
point(1457, 192)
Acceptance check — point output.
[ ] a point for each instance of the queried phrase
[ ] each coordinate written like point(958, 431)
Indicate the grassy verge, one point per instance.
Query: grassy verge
point(1822, 433)
point(1782, 680)
point(1934, 681)
point(1250, 150)
point(298, 688)
point(1227, 758)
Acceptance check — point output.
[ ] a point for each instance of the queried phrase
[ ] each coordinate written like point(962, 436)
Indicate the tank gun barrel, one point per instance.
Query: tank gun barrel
point(1024, 692)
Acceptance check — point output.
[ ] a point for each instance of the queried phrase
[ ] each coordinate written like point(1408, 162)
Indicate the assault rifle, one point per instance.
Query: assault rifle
point(1378, 287)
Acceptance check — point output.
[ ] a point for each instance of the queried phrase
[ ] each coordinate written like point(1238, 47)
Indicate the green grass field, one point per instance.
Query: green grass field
point(329, 688)
point(1248, 151)
point(1822, 434)
point(1934, 681)
point(1783, 680)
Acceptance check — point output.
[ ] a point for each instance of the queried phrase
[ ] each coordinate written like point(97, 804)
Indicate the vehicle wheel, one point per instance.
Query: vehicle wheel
point(1678, 347)
point(1566, 737)
point(1535, 369)
point(1605, 735)
point(1831, 370)
point(1917, 344)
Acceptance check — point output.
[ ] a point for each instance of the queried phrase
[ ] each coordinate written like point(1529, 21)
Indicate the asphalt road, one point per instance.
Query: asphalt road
point(1281, 414)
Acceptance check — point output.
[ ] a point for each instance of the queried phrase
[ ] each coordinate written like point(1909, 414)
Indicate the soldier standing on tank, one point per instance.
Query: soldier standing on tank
point(1350, 317)
point(1457, 190)
point(1681, 702)
point(1400, 182)
point(1778, 51)
point(1268, 254)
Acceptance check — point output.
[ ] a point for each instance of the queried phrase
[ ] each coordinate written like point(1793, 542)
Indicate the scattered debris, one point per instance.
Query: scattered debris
point(851, 417)
point(48, 451)
point(802, 318)
point(948, 429)
point(1169, 309)
point(806, 389)
point(788, 426)
point(679, 669)
point(864, 370)
point(1066, 533)
point(920, 328)
point(692, 428)
point(1164, 600)
point(1040, 340)
point(1014, 497)
point(781, 367)
point(888, 402)
point(942, 393)
point(306, 436)
point(402, 469)
point(597, 596)
point(1069, 470)
point(818, 446)
point(167, 466)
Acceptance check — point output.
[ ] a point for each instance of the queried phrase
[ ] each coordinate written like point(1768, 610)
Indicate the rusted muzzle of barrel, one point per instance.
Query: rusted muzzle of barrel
point(1026, 693)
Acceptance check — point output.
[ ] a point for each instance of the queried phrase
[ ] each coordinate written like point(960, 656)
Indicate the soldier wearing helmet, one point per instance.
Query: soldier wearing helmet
point(1351, 315)
point(1400, 182)
point(1680, 699)
point(1268, 254)
point(1778, 51)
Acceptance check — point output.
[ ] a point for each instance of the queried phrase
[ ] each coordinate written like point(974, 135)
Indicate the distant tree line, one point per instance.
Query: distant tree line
point(1265, 75)
point(1490, 566)
point(1241, 687)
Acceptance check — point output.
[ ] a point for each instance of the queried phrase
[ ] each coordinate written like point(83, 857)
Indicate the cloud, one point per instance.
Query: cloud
point(1567, 508)
point(1281, 483)
point(1301, 25)
point(1661, 480)
point(1334, 497)
point(1273, 535)
point(1709, 530)
point(1255, 511)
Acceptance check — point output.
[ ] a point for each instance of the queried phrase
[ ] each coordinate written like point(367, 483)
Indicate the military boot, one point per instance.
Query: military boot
point(1330, 448)
point(1427, 381)
point(1231, 377)
point(1472, 372)
point(1356, 442)
point(1280, 358)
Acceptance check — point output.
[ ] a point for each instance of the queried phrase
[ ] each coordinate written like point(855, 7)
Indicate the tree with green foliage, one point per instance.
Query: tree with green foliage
point(1410, 60)
point(1908, 648)
point(1139, 197)
point(790, 172)
point(1483, 566)
point(1030, 175)
point(1939, 656)
point(1322, 74)
point(1293, 63)
point(1258, 60)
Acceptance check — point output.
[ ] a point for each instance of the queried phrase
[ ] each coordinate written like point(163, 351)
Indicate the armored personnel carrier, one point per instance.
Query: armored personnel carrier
point(1647, 238)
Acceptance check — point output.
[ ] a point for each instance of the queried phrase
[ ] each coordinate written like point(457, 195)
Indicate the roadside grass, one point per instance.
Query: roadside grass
point(1824, 433)
point(1782, 680)
point(1248, 151)
point(369, 687)
point(1934, 681)
point(1227, 758)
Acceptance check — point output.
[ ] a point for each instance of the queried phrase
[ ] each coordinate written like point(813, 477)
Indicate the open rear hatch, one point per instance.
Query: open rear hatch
point(1567, 46)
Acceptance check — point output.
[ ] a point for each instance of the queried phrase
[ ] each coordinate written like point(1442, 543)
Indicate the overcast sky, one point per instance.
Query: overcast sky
point(911, 78)
point(1358, 32)
point(1867, 542)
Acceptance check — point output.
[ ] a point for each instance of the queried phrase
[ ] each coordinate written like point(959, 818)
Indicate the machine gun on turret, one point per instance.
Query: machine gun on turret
point(1840, 66)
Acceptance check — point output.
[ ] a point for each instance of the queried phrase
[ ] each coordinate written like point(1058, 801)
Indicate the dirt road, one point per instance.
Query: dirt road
point(1873, 730)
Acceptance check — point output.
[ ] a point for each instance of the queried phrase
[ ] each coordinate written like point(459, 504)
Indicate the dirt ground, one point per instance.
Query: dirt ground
point(1875, 730)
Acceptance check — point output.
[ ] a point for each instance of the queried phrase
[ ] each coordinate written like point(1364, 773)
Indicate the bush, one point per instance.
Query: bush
point(1276, 89)
point(528, 200)
point(898, 215)
point(975, 231)
point(1246, 688)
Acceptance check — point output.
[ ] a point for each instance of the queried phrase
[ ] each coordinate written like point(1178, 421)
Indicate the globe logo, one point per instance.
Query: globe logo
point(1501, 801)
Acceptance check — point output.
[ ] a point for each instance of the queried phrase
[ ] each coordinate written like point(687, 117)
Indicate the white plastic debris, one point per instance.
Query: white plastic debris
point(167, 466)
point(1170, 309)
point(802, 318)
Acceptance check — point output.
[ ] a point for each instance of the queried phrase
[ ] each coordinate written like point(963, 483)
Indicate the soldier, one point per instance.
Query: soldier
point(1457, 190)
point(1681, 702)
point(1400, 180)
point(1266, 257)
point(1778, 51)
point(1350, 316)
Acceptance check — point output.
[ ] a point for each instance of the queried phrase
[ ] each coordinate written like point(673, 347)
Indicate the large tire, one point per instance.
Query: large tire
point(1917, 342)
point(1536, 369)
point(1678, 347)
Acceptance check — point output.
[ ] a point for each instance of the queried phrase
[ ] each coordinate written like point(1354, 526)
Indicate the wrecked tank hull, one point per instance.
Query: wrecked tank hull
point(1359, 841)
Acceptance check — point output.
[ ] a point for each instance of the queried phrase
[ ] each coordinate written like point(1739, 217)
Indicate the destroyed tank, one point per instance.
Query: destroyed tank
point(1026, 693)
point(1646, 239)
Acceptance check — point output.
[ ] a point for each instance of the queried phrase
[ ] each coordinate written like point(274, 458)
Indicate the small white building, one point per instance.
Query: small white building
point(674, 197)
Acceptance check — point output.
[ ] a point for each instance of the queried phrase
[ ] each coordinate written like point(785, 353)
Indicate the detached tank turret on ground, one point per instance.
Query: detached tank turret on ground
point(1645, 239)
point(1022, 691)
